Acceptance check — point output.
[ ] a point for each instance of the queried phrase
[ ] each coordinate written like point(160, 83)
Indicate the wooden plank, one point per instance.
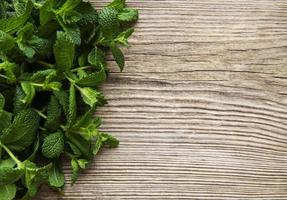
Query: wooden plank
point(201, 108)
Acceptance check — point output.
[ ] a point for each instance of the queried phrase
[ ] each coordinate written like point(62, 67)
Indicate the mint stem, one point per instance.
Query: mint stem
point(18, 162)
point(71, 80)
point(45, 64)
point(41, 114)
point(80, 68)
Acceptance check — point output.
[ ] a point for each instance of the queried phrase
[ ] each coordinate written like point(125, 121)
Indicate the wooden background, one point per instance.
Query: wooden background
point(201, 108)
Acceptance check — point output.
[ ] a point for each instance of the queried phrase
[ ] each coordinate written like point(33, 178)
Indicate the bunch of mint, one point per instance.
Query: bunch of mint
point(52, 60)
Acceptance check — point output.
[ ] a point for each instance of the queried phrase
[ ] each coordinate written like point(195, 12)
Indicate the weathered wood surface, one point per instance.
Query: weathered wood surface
point(201, 109)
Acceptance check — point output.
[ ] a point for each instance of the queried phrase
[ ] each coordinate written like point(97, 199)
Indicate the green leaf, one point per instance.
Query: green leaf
point(97, 57)
point(75, 170)
point(77, 165)
point(54, 86)
point(79, 142)
point(63, 99)
point(46, 12)
point(39, 45)
point(86, 119)
point(9, 175)
point(19, 7)
point(13, 24)
point(35, 176)
point(89, 14)
point(26, 50)
point(7, 192)
point(71, 17)
point(9, 69)
point(75, 150)
point(2, 101)
point(119, 56)
point(7, 42)
point(117, 4)
point(122, 38)
point(109, 140)
point(68, 6)
point(5, 119)
point(21, 133)
point(109, 22)
point(71, 117)
point(64, 51)
point(74, 33)
point(53, 145)
point(10, 163)
point(82, 59)
point(87, 125)
point(56, 177)
point(43, 75)
point(128, 15)
point(91, 96)
point(97, 145)
point(31, 44)
point(92, 79)
point(53, 115)
point(25, 32)
point(29, 91)
point(83, 163)
point(18, 103)
point(3, 10)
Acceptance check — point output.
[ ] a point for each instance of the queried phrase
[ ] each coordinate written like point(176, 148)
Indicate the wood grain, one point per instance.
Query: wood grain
point(201, 108)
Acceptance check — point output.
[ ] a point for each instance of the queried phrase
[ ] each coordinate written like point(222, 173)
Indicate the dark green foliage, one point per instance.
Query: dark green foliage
point(52, 60)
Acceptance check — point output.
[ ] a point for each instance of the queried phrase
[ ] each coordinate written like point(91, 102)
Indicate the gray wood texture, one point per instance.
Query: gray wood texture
point(201, 108)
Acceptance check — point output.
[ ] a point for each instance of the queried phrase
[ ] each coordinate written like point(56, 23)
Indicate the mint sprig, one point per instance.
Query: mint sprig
point(52, 60)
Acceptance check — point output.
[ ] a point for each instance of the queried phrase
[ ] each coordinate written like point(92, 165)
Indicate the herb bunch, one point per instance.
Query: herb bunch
point(52, 60)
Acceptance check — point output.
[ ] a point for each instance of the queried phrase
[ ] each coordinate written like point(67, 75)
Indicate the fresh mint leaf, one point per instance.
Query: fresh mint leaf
point(7, 42)
point(88, 14)
point(2, 101)
point(46, 12)
point(122, 38)
point(8, 192)
point(9, 70)
point(117, 4)
point(13, 24)
point(10, 163)
point(29, 91)
point(109, 140)
point(109, 22)
point(19, 105)
point(54, 112)
point(119, 56)
point(5, 119)
point(128, 15)
point(91, 96)
point(97, 57)
point(64, 51)
point(77, 166)
point(35, 176)
point(9, 175)
point(53, 145)
point(56, 177)
point(98, 145)
point(71, 117)
point(21, 133)
point(92, 79)
point(63, 99)
point(80, 143)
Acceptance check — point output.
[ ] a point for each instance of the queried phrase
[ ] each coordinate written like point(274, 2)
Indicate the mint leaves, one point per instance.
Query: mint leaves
point(52, 61)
